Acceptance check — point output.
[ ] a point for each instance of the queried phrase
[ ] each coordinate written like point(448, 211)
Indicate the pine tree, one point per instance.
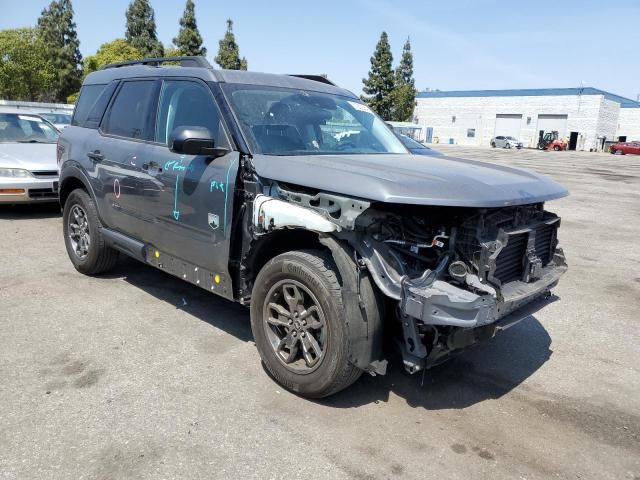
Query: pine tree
point(57, 30)
point(228, 52)
point(379, 85)
point(141, 29)
point(404, 95)
point(189, 40)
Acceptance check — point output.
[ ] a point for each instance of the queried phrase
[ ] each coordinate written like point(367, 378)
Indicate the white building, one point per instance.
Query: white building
point(587, 116)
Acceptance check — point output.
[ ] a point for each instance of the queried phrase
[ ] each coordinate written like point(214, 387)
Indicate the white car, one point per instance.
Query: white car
point(505, 142)
point(28, 165)
point(59, 120)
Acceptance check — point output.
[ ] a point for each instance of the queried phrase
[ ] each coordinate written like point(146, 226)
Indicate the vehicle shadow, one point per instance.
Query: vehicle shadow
point(487, 371)
point(30, 212)
point(228, 316)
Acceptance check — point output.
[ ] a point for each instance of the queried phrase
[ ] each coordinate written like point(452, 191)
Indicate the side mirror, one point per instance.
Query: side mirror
point(194, 141)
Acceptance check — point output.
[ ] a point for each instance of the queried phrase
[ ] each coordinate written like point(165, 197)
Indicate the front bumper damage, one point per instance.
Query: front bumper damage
point(472, 317)
point(458, 315)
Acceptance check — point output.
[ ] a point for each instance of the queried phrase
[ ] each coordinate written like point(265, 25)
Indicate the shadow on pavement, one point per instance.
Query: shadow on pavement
point(486, 371)
point(30, 211)
point(231, 317)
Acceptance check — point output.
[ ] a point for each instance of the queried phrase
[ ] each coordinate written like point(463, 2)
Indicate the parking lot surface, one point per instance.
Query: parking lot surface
point(136, 374)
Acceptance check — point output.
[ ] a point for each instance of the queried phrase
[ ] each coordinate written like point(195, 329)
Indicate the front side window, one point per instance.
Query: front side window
point(20, 128)
point(186, 104)
point(130, 112)
point(283, 121)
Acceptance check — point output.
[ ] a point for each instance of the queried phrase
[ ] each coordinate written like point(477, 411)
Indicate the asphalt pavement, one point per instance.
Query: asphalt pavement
point(136, 374)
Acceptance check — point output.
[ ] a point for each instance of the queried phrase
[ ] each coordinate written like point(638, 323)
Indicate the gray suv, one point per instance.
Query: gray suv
point(289, 195)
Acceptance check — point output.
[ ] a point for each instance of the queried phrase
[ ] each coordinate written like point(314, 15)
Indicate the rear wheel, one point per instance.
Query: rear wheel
point(298, 323)
point(493, 144)
point(508, 145)
point(83, 237)
point(556, 148)
point(618, 152)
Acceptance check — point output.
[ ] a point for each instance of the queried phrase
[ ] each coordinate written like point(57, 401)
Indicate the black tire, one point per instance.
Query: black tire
point(315, 271)
point(99, 257)
point(556, 148)
point(493, 144)
point(508, 145)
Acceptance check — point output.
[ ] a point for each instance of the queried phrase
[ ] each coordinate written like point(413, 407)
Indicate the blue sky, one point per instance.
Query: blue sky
point(459, 44)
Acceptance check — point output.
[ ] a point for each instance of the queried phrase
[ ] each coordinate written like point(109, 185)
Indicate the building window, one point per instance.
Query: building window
point(471, 132)
point(453, 119)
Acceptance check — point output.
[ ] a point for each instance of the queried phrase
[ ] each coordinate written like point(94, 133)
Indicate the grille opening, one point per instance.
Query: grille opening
point(510, 261)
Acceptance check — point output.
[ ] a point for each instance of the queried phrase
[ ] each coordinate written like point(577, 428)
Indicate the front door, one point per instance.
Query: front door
point(189, 198)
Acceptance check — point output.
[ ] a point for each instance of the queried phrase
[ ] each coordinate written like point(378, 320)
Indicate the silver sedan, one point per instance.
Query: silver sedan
point(28, 165)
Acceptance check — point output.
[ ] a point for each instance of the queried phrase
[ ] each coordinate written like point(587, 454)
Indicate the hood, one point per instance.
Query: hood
point(30, 156)
point(412, 179)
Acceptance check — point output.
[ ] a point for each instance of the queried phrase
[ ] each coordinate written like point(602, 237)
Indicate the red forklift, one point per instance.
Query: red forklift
point(550, 141)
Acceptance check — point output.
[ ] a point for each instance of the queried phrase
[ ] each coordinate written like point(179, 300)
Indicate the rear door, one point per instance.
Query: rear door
point(126, 130)
point(188, 199)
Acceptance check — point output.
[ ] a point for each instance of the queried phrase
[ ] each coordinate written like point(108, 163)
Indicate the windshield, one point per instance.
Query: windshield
point(20, 128)
point(282, 121)
point(62, 118)
point(410, 142)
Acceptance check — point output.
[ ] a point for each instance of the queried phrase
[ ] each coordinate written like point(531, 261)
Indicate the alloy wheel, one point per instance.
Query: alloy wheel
point(78, 232)
point(295, 326)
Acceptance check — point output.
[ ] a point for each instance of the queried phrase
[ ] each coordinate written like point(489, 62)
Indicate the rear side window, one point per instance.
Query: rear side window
point(132, 110)
point(88, 96)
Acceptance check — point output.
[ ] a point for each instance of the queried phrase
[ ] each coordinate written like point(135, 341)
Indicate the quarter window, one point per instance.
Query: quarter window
point(186, 104)
point(129, 113)
point(88, 96)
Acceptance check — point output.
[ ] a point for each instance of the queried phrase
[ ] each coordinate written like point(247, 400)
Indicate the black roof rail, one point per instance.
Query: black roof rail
point(315, 78)
point(199, 62)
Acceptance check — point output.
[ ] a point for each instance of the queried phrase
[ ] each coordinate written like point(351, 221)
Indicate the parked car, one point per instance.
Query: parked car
point(239, 183)
point(416, 147)
point(624, 148)
point(59, 120)
point(505, 142)
point(28, 167)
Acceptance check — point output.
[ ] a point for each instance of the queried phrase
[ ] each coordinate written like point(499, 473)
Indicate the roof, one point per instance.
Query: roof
point(214, 75)
point(533, 92)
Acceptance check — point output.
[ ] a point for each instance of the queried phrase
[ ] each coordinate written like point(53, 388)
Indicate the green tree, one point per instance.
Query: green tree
point(26, 72)
point(58, 32)
point(228, 52)
point(404, 94)
point(379, 85)
point(189, 40)
point(118, 50)
point(141, 29)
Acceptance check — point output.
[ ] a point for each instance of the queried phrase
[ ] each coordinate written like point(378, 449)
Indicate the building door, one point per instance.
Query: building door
point(508, 125)
point(429, 136)
point(573, 140)
point(553, 123)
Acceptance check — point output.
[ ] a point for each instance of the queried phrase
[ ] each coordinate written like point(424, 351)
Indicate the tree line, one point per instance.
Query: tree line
point(44, 63)
point(390, 93)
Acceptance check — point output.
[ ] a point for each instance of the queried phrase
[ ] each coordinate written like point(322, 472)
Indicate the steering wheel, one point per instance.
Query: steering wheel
point(344, 145)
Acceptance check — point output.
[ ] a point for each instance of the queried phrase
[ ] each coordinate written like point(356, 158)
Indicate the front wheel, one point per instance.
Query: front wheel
point(298, 324)
point(508, 145)
point(618, 152)
point(557, 148)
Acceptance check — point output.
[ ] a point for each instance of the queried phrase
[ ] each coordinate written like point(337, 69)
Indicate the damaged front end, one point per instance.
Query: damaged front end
point(460, 275)
point(455, 275)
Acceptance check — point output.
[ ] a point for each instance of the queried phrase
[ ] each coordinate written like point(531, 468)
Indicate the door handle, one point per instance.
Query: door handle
point(96, 155)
